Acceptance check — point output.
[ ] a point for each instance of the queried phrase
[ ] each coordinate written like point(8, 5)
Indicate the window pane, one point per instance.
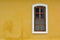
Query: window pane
point(42, 27)
point(37, 28)
point(42, 15)
point(36, 9)
point(43, 9)
point(37, 15)
point(42, 21)
point(37, 21)
point(37, 18)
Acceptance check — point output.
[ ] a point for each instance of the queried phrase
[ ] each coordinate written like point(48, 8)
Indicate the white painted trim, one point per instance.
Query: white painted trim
point(33, 18)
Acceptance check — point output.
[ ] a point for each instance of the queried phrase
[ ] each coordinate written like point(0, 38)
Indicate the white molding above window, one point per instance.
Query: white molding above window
point(41, 32)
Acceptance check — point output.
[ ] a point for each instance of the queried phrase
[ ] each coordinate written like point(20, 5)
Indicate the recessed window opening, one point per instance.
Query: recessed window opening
point(39, 18)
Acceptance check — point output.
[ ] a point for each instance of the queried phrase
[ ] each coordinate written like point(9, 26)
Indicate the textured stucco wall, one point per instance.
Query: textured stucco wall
point(16, 20)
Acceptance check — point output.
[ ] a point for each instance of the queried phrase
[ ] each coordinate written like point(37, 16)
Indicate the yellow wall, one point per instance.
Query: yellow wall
point(16, 20)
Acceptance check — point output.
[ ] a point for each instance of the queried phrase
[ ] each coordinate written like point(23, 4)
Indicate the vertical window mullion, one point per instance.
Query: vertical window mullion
point(39, 18)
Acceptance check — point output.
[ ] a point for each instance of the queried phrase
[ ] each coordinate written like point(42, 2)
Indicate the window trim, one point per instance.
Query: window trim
point(33, 18)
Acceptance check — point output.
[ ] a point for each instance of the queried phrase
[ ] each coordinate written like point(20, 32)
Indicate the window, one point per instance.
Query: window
point(39, 18)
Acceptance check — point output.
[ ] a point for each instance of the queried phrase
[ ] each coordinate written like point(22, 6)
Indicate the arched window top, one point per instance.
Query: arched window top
point(44, 5)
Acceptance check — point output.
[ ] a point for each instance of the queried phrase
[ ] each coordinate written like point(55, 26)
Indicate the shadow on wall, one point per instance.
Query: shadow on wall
point(8, 30)
point(8, 26)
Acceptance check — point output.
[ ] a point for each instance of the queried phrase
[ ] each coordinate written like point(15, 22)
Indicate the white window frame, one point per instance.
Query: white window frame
point(33, 19)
